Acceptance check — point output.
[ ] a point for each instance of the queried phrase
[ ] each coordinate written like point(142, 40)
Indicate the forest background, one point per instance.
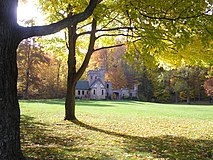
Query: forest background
point(44, 74)
point(167, 78)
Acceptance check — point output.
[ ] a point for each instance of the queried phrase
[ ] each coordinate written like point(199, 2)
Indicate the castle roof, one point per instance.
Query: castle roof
point(82, 85)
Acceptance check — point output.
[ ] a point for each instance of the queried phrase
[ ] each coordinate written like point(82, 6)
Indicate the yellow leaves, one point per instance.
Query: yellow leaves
point(196, 53)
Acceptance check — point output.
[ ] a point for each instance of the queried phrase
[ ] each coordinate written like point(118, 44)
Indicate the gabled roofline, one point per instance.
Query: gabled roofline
point(96, 82)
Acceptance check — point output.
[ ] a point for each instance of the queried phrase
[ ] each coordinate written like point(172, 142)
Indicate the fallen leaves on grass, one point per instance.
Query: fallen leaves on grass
point(98, 138)
point(108, 134)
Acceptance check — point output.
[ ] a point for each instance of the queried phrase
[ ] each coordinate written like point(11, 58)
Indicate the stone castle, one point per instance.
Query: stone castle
point(96, 88)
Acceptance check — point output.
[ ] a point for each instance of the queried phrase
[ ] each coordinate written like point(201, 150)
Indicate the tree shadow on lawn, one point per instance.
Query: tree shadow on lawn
point(165, 146)
point(47, 101)
point(93, 103)
point(39, 143)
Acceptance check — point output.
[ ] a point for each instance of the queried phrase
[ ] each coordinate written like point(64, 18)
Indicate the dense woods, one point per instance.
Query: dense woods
point(43, 75)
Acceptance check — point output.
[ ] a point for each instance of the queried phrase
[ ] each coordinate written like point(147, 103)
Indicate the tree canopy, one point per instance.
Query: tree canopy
point(163, 32)
point(170, 30)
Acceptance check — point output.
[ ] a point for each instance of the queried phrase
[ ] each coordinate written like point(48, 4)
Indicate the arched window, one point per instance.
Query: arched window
point(107, 85)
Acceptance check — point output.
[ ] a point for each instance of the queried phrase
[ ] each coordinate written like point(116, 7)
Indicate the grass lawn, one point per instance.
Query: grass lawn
point(116, 130)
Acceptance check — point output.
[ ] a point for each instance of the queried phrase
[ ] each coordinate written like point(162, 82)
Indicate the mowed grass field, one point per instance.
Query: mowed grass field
point(116, 130)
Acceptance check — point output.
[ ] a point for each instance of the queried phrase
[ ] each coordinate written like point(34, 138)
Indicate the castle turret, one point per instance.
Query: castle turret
point(102, 74)
point(93, 75)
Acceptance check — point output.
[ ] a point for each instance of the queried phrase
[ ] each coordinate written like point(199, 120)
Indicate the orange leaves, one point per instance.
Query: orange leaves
point(208, 85)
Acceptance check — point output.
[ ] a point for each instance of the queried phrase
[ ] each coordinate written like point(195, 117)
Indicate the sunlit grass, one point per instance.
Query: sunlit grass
point(116, 130)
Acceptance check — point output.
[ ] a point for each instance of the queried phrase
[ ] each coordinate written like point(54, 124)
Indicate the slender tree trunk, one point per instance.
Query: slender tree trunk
point(58, 79)
point(74, 76)
point(26, 95)
point(70, 102)
point(187, 91)
point(9, 108)
point(176, 96)
point(71, 80)
point(198, 89)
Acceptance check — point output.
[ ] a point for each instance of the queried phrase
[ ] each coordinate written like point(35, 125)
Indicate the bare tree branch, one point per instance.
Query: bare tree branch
point(26, 32)
point(118, 34)
point(107, 30)
point(84, 33)
point(148, 15)
point(114, 46)
point(89, 51)
point(84, 25)
point(116, 28)
point(171, 19)
point(108, 47)
point(110, 21)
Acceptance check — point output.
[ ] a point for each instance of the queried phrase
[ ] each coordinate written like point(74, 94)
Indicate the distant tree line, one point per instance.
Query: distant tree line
point(43, 75)
point(156, 84)
point(174, 86)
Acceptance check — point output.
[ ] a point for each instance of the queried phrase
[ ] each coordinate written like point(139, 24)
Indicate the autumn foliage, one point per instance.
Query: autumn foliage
point(208, 85)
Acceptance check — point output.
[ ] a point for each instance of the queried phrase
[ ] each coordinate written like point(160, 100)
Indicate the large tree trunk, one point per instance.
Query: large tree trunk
point(9, 108)
point(10, 148)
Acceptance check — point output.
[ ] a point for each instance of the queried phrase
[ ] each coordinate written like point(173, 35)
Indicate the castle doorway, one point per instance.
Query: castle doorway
point(116, 96)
